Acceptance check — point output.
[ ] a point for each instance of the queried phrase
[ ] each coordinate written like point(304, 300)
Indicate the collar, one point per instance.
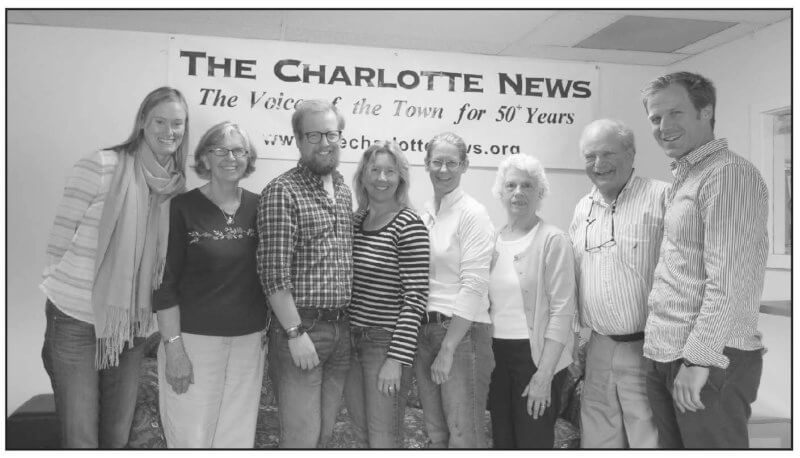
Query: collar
point(448, 200)
point(337, 178)
point(596, 197)
point(701, 153)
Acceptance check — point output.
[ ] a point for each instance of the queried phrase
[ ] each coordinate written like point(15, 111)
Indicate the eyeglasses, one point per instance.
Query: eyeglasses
point(436, 164)
point(316, 137)
point(222, 152)
point(589, 221)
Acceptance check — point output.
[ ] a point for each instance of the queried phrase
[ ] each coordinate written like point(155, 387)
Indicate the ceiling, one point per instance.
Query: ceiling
point(643, 37)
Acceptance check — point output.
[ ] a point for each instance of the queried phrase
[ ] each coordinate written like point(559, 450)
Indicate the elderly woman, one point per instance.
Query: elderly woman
point(390, 290)
point(454, 359)
point(532, 295)
point(211, 309)
point(105, 256)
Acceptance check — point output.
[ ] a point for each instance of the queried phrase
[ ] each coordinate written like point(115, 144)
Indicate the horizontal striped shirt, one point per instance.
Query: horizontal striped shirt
point(72, 246)
point(710, 273)
point(306, 239)
point(614, 281)
point(390, 280)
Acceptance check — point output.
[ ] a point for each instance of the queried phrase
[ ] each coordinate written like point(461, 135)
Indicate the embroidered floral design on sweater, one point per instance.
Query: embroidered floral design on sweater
point(229, 233)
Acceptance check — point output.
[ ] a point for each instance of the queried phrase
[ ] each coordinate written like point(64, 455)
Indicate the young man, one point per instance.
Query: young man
point(701, 334)
point(306, 267)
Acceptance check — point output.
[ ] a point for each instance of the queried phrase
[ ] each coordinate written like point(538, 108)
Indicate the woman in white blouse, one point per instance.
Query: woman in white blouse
point(533, 302)
point(454, 357)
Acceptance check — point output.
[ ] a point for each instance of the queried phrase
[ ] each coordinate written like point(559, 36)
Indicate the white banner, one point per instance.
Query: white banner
point(499, 105)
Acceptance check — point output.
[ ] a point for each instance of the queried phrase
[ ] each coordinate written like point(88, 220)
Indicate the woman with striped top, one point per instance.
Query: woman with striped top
point(390, 290)
point(105, 256)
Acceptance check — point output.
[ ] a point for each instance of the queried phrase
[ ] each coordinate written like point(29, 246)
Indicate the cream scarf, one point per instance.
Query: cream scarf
point(131, 250)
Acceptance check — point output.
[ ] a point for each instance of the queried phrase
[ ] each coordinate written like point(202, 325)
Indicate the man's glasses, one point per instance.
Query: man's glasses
point(589, 221)
point(222, 152)
point(436, 164)
point(316, 137)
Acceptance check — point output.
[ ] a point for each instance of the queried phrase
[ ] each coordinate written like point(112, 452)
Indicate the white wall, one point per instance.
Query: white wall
point(74, 90)
point(749, 72)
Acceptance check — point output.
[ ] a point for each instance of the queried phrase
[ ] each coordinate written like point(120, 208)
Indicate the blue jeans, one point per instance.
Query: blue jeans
point(378, 418)
point(455, 411)
point(94, 407)
point(727, 396)
point(309, 400)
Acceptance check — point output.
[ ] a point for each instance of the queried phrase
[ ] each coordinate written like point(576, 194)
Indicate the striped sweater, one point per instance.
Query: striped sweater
point(390, 280)
point(72, 246)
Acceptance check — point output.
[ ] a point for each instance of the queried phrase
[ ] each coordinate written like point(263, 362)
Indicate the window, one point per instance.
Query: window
point(774, 131)
point(782, 181)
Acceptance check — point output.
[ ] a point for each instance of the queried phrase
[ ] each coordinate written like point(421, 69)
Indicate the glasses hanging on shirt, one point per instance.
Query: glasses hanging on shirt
point(589, 221)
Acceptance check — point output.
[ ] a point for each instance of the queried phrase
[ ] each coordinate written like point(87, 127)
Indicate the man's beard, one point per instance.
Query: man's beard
point(320, 165)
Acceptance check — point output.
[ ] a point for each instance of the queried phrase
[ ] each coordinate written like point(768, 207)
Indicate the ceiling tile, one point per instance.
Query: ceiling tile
point(728, 15)
point(391, 41)
point(497, 26)
point(566, 28)
point(725, 36)
point(597, 55)
point(641, 33)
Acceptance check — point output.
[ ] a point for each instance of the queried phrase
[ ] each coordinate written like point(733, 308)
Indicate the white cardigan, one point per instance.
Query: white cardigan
point(546, 271)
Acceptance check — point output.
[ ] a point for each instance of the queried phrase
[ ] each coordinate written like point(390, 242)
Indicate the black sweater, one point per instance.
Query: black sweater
point(211, 267)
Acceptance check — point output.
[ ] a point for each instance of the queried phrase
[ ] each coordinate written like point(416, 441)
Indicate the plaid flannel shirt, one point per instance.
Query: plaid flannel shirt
point(306, 240)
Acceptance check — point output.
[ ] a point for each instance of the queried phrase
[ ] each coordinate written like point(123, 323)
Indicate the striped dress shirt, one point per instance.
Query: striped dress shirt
point(390, 280)
point(72, 246)
point(614, 281)
point(710, 274)
point(305, 241)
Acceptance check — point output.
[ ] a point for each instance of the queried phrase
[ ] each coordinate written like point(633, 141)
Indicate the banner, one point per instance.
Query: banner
point(499, 105)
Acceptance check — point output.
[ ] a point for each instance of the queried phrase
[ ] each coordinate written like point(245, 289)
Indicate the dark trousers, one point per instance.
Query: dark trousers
point(727, 396)
point(512, 427)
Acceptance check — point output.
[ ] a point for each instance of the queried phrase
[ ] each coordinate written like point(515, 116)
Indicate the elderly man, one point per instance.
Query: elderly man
point(306, 267)
point(616, 233)
point(701, 339)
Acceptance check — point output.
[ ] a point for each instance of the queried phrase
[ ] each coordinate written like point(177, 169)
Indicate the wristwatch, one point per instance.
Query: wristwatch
point(296, 331)
point(688, 363)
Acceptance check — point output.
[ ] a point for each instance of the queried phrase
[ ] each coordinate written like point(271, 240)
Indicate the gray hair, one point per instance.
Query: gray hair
point(618, 128)
point(528, 165)
point(213, 138)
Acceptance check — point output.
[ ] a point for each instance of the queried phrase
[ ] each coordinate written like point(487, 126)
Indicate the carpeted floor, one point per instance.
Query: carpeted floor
point(147, 433)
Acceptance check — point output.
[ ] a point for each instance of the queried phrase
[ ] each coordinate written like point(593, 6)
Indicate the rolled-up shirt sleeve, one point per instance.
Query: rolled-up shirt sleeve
point(735, 205)
point(277, 237)
point(476, 235)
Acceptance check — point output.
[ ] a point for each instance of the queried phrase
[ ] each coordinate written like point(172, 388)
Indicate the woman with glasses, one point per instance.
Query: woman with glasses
point(390, 290)
point(105, 255)
point(532, 296)
point(211, 309)
point(454, 357)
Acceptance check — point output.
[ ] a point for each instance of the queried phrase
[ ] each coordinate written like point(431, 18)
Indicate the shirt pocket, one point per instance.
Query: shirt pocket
point(316, 229)
point(638, 246)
